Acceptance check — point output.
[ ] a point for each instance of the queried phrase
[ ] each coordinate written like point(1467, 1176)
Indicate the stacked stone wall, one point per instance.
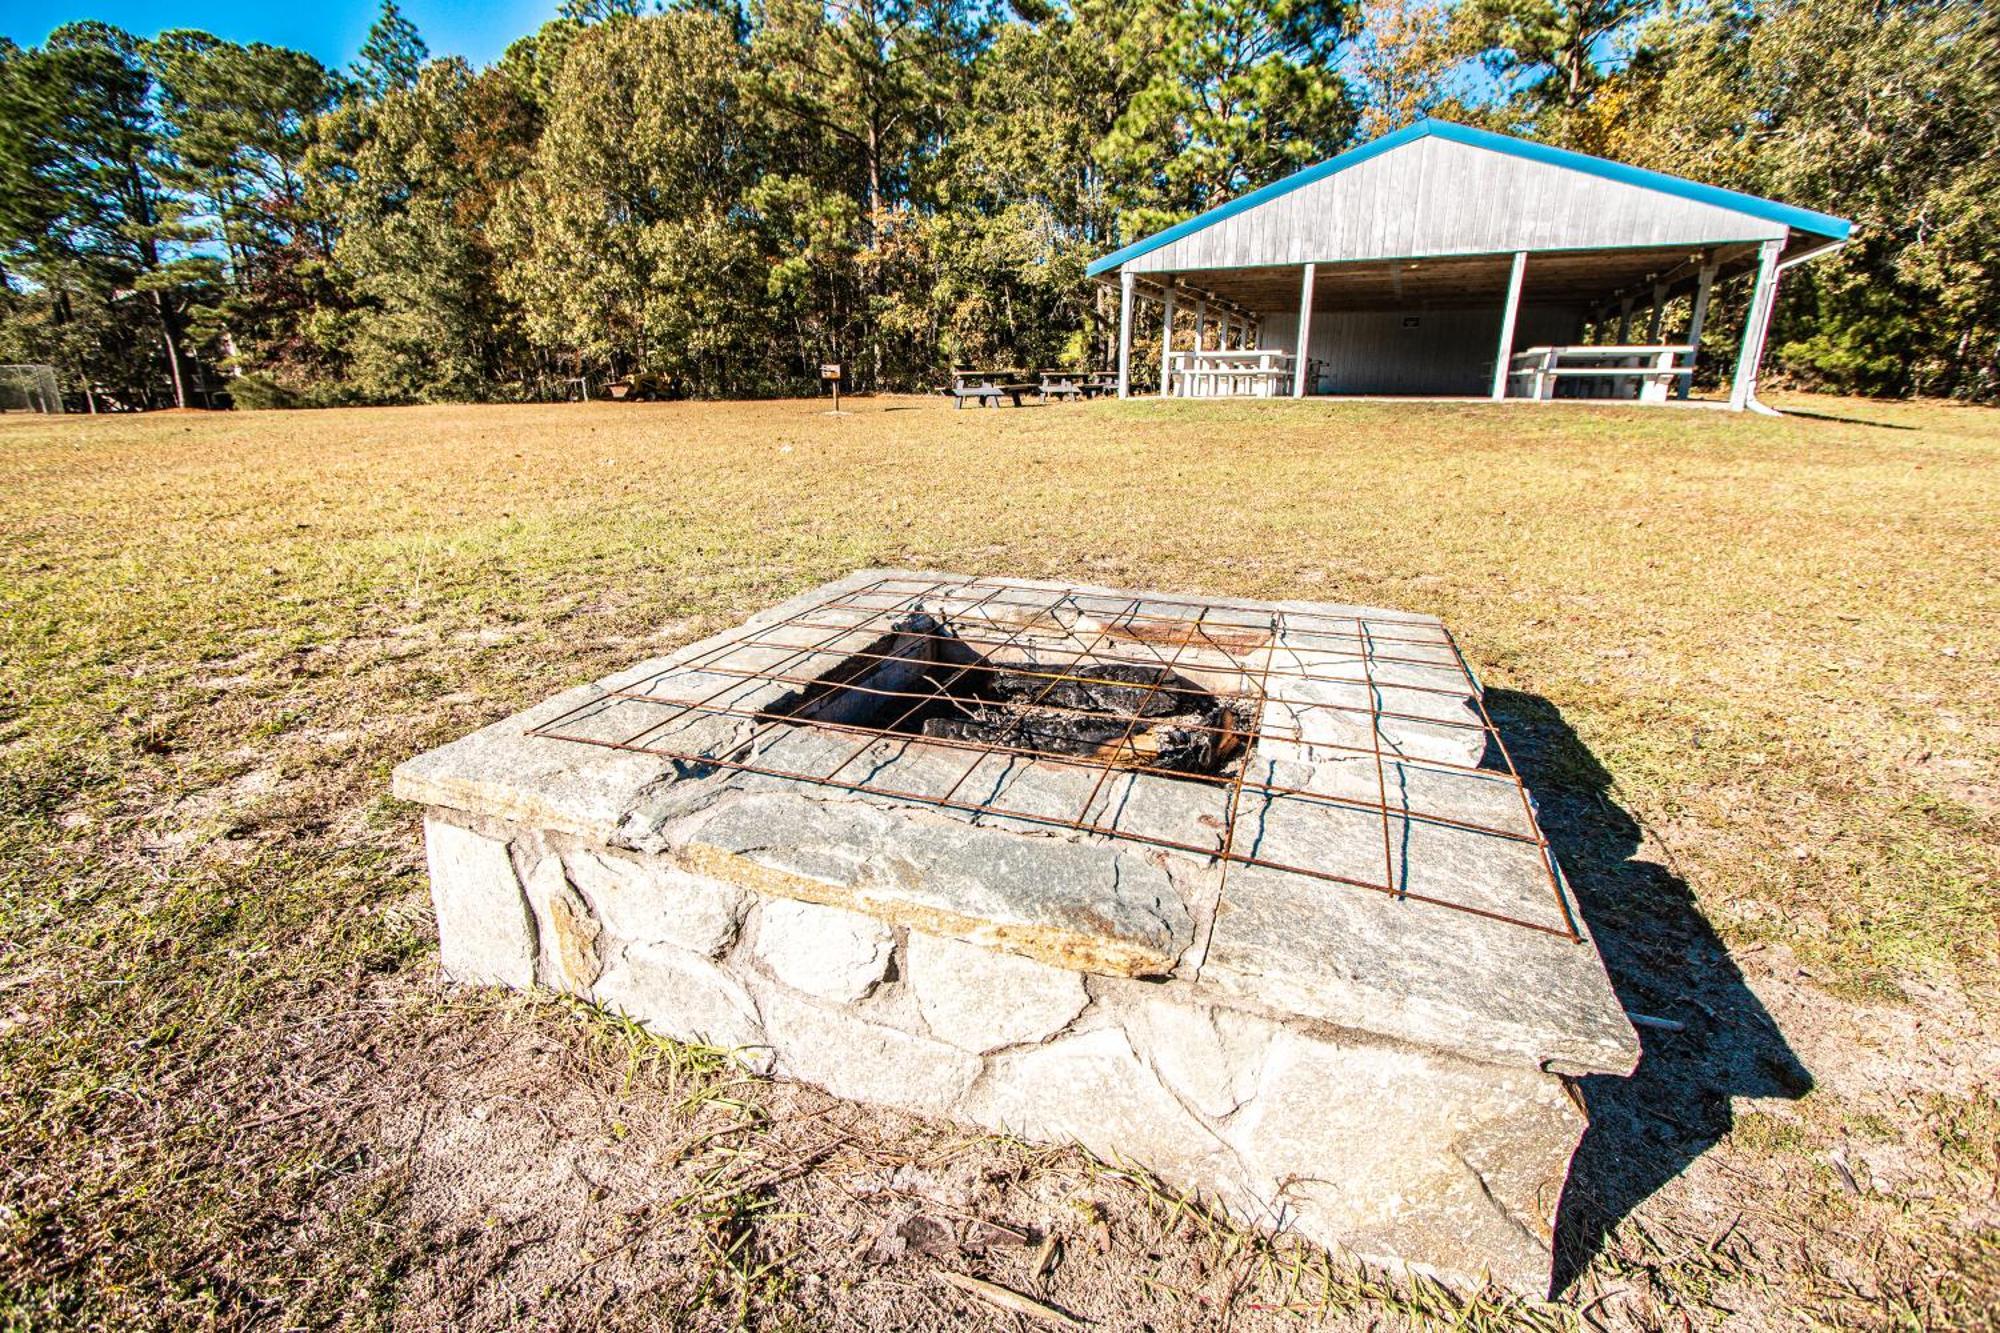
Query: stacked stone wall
point(1393, 1151)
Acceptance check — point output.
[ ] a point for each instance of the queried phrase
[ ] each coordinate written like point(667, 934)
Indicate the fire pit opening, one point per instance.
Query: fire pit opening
point(924, 679)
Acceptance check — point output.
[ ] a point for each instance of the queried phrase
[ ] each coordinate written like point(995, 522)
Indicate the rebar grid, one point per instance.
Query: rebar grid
point(1234, 654)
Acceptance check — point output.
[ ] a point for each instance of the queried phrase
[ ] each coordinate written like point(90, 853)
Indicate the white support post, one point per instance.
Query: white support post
point(1188, 388)
point(1704, 281)
point(1743, 388)
point(1305, 330)
point(1125, 304)
point(1167, 342)
point(1503, 355)
point(1625, 322)
point(1658, 314)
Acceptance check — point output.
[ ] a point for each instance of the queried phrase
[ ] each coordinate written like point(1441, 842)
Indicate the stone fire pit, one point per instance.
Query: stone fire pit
point(1245, 893)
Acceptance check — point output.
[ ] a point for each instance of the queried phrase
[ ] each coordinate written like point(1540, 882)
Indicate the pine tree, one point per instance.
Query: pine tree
point(867, 89)
point(1240, 92)
point(1550, 53)
point(393, 54)
point(83, 130)
point(430, 323)
point(239, 122)
point(1402, 59)
point(626, 242)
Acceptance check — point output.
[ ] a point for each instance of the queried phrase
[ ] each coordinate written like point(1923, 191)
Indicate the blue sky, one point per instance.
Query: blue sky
point(330, 29)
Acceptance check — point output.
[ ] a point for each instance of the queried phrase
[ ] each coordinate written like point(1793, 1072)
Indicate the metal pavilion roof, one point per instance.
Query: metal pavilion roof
point(1800, 219)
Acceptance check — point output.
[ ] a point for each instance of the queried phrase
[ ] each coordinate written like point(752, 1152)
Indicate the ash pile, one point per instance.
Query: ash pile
point(1120, 713)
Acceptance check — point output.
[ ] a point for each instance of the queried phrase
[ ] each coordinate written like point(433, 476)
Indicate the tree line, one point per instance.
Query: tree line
point(711, 198)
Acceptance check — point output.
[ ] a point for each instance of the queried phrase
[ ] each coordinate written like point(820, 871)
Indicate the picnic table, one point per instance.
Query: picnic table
point(1646, 371)
point(988, 387)
point(1060, 384)
point(1244, 372)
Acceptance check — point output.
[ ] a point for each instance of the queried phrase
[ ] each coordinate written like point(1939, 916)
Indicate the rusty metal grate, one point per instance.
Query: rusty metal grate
point(865, 664)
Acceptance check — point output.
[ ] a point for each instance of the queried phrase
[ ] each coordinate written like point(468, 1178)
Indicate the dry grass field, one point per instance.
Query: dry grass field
point(1748, 666)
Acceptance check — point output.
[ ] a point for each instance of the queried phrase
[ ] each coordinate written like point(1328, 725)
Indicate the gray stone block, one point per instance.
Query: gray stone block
point(684, 996)
point(849, 1056)
point(980, 1000)
point(1091, 1089)
point(653, 901)
point(823, 951)
point(564, 927)
point(1411, 1158)
point(1483, 989)
point(1209, 1058)
point(485, 933)
point(1088, 905)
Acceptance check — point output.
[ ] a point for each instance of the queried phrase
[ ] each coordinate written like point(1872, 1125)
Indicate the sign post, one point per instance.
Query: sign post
point(830, 372)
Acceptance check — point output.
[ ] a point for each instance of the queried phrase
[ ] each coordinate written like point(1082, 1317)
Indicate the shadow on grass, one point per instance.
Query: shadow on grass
point(1665, 960)
point(1844, 421)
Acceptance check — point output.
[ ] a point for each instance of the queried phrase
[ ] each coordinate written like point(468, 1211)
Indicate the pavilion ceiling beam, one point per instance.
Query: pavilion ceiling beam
point(1157, 292)
point(1684, 276)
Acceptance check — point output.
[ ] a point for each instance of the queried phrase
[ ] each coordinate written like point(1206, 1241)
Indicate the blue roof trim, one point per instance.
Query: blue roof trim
point(1803, 219)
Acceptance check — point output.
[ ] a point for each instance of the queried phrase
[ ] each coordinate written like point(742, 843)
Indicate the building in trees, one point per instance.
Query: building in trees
point(1442, 260)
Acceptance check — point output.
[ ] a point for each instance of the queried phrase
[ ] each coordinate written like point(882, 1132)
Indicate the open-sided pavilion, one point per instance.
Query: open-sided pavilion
point(1447, 261)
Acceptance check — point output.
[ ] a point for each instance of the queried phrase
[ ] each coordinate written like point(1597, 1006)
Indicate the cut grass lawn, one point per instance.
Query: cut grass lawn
point(1749, 665)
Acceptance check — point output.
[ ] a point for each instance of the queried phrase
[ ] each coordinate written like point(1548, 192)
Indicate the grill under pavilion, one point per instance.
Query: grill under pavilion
point(1444, 261)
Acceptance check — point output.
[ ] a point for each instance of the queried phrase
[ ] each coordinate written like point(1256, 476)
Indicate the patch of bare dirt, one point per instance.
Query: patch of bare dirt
point(532, 1178)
